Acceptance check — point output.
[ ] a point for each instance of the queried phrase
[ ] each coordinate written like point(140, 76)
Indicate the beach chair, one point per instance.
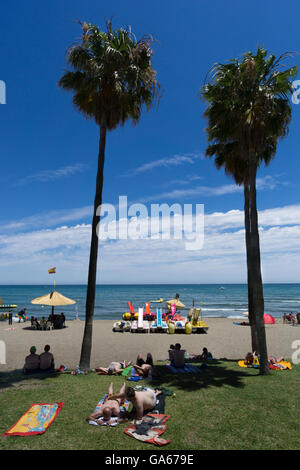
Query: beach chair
point(159, 326)
point(48, 325)
point(140, 325)
point(35, 325)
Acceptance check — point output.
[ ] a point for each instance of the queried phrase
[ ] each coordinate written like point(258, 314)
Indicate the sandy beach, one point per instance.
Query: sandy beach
point(224, 339)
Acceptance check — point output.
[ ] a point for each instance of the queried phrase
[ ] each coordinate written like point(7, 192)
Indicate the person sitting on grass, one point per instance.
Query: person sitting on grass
point(205, 356)
point(249, 359)
point(171, 351)
point(178, 356)
point(32, 361)
point(110, 408)
point(46, 359)
point(114, 368)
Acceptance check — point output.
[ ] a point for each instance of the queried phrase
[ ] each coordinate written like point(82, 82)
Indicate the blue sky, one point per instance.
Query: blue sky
point(49, 151)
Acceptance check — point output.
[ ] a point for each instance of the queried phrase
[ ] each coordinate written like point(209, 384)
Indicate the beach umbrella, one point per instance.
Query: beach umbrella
point(175, 302)
point(268, 319)
point(53, 299)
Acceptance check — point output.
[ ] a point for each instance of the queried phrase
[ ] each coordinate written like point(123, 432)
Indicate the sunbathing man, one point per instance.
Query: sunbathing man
point(143, 401)
point(114, 368)
point(110, 408)
point(142, 367)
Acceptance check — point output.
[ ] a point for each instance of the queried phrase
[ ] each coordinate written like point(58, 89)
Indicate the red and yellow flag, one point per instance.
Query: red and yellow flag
point(52, 271)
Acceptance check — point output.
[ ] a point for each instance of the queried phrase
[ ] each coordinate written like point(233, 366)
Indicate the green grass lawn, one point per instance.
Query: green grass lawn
point(224, 407)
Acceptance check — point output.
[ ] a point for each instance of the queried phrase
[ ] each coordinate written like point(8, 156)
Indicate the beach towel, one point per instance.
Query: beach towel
point(188, 368)
point(149, 429)
point(114, 420)
point(36, 420)
point(241, 363)
point(282, 365)
point(126, 371)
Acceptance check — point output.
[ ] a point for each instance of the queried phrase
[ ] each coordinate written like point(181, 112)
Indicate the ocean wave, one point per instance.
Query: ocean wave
point(237, 317)
point(224, 309)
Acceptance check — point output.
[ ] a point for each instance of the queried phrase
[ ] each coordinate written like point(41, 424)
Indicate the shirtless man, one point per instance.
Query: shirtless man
point(110, 408)
point(144, 367)
point(142, 400)
point(114, 368)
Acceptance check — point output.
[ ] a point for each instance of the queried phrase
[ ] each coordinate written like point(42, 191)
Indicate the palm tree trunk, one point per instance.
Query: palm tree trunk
point(258, 298)
point(251, 313)
point(86, 347)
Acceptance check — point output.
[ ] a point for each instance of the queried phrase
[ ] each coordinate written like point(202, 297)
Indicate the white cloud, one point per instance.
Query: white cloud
point(52, 175)
point(267, 182)
point(27, 256)
point(166, 162)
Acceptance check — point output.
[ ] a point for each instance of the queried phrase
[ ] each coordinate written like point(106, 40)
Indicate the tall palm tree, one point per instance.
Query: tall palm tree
point(112, 79)
point(248, 111)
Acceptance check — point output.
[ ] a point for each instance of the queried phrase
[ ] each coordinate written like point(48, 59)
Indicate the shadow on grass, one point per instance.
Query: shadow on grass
point(16, 377)
point(216, 374)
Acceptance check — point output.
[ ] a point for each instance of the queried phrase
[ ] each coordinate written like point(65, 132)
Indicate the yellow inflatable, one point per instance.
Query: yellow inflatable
point(188, 328)
point(127, 316)
point(171, 328)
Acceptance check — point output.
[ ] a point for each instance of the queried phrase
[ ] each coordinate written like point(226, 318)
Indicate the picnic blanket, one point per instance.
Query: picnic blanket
point(188, 368)
point(149, 429)
point(113, 420)
point(36, 420)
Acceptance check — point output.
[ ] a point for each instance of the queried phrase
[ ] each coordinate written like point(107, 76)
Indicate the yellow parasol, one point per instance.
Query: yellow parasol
point(53, 299)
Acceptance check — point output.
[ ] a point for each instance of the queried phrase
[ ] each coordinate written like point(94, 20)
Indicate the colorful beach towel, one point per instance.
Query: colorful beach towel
point(241, 363)
point(113, 421)
point(36, 420)
point(282, 365)
point(187, 369)
point(149, 429)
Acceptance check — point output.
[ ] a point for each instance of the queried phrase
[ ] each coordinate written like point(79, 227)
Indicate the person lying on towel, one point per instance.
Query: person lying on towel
point(143, 401)
point(114, 368)
point(110, 408)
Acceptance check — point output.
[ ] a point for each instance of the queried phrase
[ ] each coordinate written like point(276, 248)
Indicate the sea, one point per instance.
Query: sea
point(215, 300)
